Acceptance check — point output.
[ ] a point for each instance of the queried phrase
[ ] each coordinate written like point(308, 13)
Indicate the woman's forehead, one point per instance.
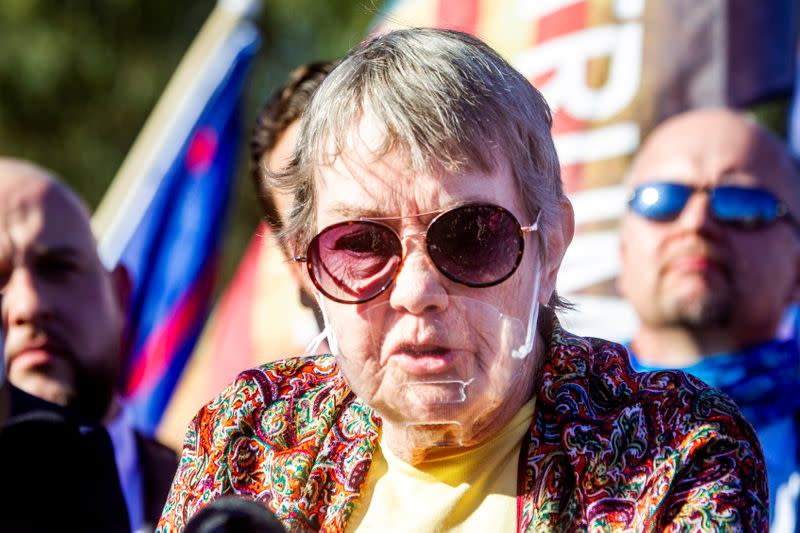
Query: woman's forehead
point(345, 192)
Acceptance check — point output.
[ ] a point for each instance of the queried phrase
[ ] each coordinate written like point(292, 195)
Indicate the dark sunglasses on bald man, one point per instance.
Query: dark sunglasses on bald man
point(477, 245)
point(747, 208)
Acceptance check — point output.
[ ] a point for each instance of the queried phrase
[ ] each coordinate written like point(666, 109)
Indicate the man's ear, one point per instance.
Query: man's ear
point(794, 296)
point(122, 284)
point(558, 239)
point(123, 287)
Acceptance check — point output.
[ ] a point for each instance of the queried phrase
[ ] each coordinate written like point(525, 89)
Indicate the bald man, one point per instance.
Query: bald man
point(63, 318)
point(710, 255)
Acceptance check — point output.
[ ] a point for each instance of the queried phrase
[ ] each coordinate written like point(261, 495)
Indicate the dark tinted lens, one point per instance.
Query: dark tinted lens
point(660, 201)
point(744, 207)
point(354, 261)
point(477, 245)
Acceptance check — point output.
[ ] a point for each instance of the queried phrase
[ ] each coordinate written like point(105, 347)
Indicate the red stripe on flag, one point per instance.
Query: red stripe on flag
point(232, 344)
point(568, 19)
point(155, 357)
point(458, 15)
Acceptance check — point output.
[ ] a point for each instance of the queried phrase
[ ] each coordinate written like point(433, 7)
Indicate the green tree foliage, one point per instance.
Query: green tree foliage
point(78, 78)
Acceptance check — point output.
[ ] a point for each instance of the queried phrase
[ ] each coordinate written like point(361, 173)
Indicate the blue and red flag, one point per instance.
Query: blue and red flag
point(172, 253)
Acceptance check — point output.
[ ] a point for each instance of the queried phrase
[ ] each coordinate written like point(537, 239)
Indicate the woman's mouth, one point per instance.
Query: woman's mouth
point(423, 359)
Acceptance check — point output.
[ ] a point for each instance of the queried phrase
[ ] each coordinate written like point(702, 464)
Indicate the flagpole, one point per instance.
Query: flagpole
point(163, 134)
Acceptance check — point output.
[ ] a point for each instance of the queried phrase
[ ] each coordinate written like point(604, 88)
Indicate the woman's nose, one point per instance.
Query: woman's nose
point(418, 287)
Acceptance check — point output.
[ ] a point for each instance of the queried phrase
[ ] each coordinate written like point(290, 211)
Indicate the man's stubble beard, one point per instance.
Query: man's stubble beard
point(87, 394)
point(710, 310)
point(95, 386)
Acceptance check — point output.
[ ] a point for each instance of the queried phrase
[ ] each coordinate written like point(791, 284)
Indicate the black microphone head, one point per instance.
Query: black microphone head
point(58, 477)
point(232, 514)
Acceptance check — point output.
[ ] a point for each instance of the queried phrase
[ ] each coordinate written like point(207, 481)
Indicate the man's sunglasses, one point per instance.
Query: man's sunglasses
point(748, 208)
point(477, 245)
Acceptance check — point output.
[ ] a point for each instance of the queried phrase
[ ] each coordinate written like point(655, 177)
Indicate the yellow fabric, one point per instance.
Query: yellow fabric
point(472, 490)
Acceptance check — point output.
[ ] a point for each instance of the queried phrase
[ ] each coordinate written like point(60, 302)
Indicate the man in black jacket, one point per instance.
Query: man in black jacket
point(63, 318)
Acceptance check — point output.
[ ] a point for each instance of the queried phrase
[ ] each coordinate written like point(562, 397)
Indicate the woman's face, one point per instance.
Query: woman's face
point(429, 351)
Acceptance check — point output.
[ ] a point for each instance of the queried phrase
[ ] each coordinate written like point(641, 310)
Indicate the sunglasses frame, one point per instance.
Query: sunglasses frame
point(781, 209)
point(377, 221)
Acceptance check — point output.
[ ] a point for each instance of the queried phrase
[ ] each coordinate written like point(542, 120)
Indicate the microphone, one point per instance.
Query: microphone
point(58, 476)
point(232, 514)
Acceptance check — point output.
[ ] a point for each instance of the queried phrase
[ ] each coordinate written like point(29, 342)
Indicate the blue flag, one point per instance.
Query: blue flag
point(173, 252)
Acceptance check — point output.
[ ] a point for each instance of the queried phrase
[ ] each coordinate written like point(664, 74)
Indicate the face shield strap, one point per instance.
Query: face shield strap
point(327, 331)
point(533, 318)
point(315, 343)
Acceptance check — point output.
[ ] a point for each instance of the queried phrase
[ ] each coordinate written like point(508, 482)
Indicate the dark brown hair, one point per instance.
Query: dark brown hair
point(285, 106)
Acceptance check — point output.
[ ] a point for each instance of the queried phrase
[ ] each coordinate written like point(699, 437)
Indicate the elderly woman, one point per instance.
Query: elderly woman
point(430, 217)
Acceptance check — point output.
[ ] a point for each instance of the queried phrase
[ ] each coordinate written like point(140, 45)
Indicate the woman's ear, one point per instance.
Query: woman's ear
point(557, 239)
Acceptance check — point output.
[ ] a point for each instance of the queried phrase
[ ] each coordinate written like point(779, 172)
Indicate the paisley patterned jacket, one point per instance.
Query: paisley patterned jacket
point(608, 449)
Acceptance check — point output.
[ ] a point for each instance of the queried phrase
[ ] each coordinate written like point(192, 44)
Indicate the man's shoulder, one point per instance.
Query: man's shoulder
point(155, 453)
point(158, 464)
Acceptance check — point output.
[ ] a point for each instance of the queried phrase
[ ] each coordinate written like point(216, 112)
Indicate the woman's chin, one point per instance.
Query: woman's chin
point(430, 404)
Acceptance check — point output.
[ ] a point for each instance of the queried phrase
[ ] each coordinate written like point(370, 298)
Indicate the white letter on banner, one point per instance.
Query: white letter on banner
point(606, 142)
point(569, 56)
point(628, 9)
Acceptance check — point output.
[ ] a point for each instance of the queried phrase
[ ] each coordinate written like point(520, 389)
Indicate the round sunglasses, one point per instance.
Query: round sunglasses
point(748, 208)
point(477, 245)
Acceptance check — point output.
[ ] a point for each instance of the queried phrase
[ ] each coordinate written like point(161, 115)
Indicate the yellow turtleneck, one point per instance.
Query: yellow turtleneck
point(470, 490)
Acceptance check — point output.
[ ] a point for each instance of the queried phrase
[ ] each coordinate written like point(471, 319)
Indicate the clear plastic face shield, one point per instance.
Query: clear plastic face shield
point(439, 376)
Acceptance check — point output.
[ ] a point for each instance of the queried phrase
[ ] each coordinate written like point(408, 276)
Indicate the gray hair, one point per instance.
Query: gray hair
point(447, 102)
